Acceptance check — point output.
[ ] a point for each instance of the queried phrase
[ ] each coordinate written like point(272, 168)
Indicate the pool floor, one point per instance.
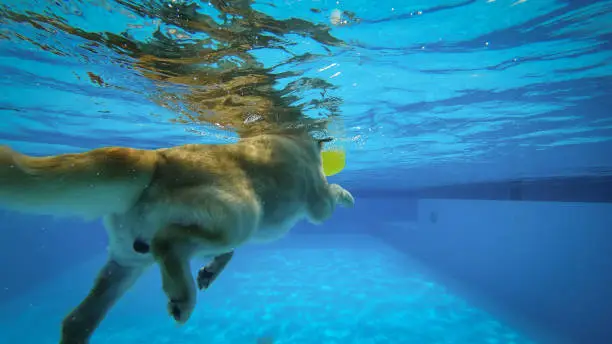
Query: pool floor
point(305, 289)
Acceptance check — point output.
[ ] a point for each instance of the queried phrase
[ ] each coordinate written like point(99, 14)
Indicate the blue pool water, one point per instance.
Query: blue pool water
point(478, 136)
point(307, 289)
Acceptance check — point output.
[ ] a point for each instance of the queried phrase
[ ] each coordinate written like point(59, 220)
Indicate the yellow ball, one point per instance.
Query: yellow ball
point(333, 161)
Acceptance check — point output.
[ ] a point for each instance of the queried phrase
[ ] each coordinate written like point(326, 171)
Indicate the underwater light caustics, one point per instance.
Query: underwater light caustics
point(207, 62)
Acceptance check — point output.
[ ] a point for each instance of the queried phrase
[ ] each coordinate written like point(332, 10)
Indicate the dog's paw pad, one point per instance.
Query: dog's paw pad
point(205, 278)
point(180, 310)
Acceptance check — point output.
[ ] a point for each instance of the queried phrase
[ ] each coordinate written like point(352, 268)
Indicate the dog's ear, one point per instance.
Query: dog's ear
point(320, 142)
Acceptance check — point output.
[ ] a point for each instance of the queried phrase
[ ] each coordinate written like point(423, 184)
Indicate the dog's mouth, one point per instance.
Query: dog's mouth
point(325, 140)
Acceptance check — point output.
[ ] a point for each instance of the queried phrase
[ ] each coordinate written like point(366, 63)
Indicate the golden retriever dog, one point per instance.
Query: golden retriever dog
point(166, 206)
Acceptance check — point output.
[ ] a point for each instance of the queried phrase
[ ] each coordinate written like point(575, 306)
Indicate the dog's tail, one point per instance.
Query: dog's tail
point(90, 184)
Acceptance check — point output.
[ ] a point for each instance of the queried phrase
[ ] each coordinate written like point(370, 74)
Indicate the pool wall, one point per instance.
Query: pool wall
point(550, 263)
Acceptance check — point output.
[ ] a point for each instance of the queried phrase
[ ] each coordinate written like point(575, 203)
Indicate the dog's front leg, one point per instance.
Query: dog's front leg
point(112, 282)
point(323, 201)
point(341, 196)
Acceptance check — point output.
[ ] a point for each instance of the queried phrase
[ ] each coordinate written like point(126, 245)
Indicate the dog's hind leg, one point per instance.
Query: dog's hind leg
point(112, 282)
point(173, 254)
point(223, 222)
point(173, 249)
point(207, 274)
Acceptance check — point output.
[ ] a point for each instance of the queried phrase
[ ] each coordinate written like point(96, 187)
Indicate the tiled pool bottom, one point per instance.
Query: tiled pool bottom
point(306, 289)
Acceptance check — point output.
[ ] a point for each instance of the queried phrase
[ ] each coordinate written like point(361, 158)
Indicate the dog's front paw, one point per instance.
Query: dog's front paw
point(181, 310)
point(342, 196)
